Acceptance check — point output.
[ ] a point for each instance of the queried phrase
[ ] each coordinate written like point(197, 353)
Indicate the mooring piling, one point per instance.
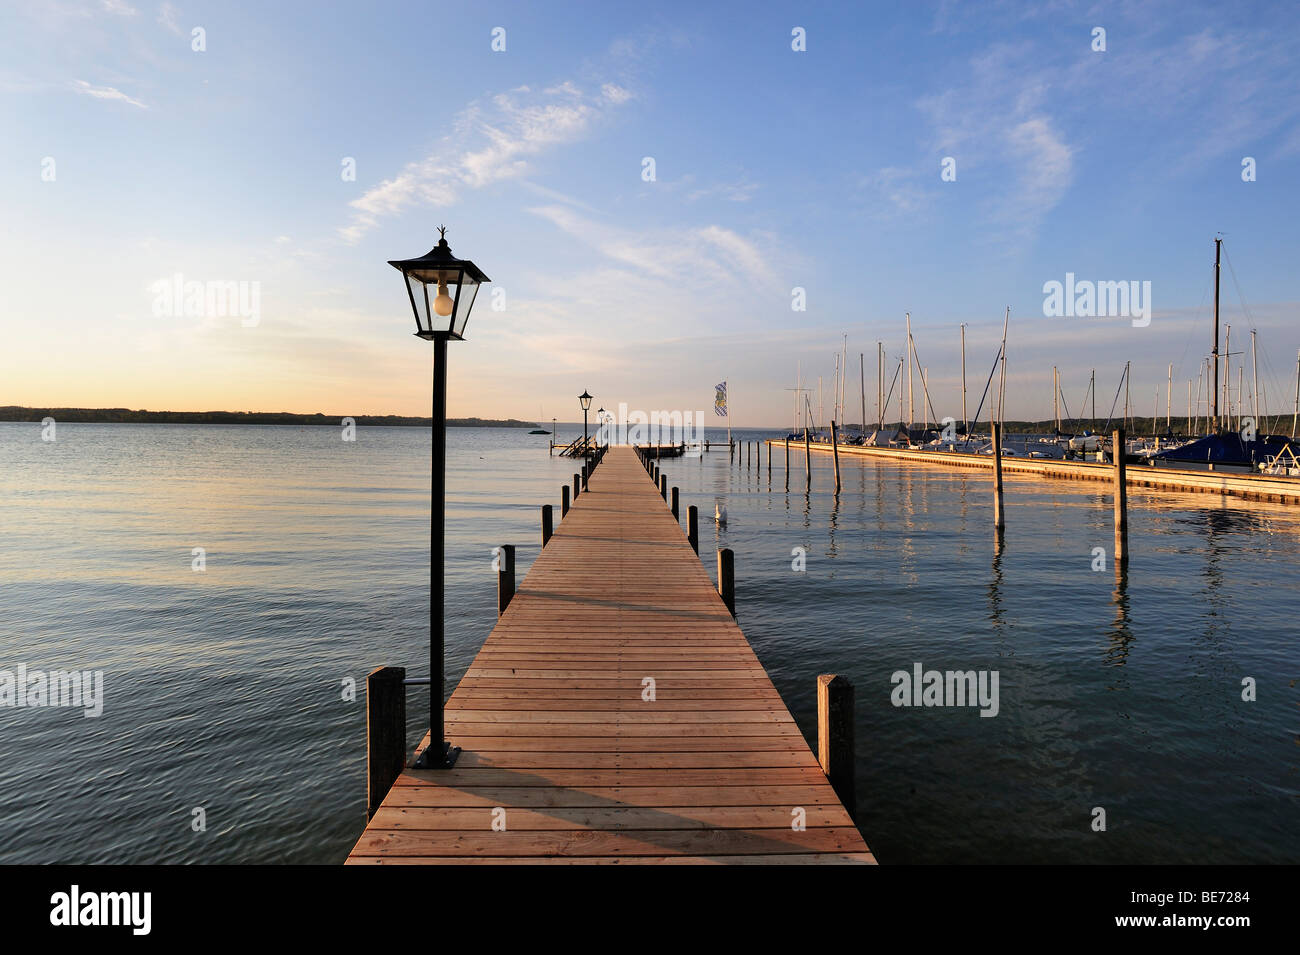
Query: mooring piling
point(727, 578)
point(385, 733)
point(835, 448)
point(505, 576)
point(807, 458)
point(1121, 497)
point(835, 736)
point(999, 522)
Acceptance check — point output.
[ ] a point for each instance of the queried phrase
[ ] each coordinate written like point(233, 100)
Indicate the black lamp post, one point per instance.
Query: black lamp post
point(584, 399)
point(442, 289)
point(600, 416)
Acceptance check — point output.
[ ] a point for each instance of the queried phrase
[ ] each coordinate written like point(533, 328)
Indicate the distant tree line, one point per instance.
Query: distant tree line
point(129, 416)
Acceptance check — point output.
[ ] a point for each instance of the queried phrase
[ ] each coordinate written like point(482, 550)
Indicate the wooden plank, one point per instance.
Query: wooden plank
point(566, 758)
point(821, 858)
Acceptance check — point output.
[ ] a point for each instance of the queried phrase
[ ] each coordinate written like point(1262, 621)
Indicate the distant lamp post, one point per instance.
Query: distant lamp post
point(442, 289)
point(600, 416)
point(584, 399)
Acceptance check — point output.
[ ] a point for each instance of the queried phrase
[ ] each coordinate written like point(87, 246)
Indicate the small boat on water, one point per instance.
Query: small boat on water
point(539, 431)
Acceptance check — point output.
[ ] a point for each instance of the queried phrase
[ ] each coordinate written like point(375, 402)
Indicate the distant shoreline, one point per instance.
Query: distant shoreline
point(128, 416)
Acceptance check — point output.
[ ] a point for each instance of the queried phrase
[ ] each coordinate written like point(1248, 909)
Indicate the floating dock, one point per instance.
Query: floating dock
point(616, 714)
point(1258, 487)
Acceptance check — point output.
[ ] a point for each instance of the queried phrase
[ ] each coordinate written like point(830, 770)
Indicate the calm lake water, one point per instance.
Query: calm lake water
point(224, 690)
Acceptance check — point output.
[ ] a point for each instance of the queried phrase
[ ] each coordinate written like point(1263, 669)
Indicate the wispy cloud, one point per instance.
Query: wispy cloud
point(119, 7)
point(996, 120)
point(169, 18)
point(684, 258)
point(506, 133)
point(105, 92)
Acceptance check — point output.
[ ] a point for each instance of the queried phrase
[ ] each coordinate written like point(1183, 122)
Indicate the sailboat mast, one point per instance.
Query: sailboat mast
point(1296, 414)
point(965, 422)
point(1218, 247)
point(880, 386)
point(1092, 386)
point(1254, 378)
point(1169, 400)
point(1056, 409)
point(844, 378)
point(900, 395)
point(862, 387)
point(1002, 359)
point(1127, 366)
point(910, 406)
point(1227, 375)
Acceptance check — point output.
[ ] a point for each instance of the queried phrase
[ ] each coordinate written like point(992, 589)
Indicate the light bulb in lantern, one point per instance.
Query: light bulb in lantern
point(443, 303)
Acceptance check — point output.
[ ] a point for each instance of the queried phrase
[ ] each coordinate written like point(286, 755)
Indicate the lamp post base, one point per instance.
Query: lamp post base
point(430, 758)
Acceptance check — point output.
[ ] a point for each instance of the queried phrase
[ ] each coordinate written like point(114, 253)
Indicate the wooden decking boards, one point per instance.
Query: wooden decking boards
point(565, 758)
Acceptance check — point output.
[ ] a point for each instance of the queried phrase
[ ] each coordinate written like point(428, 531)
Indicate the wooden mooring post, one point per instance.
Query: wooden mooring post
point(1118, 446)
point(727, 578)
point(673, 504)
point(787, 464)
point(577, 486)
point(663, 486)
point(807, 458)
point(505, 577)
point(999, 521)
point(835, 449)
point(693, 528)
point(835, 736)
point(385, 733)
point(546, 524)
point(564, 501)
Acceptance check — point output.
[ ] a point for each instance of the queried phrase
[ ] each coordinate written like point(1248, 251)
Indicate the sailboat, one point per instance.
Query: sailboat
point(539, 430)
point(1224, 447)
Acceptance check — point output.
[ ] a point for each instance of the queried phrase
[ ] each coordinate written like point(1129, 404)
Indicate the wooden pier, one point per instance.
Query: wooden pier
point(617, 714)
point(1256, 487)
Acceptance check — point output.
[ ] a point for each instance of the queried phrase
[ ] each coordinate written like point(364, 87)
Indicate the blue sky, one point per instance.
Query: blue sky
point(773, 169)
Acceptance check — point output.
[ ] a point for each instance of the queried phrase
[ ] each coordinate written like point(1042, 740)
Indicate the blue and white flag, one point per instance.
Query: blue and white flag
point(720, 400)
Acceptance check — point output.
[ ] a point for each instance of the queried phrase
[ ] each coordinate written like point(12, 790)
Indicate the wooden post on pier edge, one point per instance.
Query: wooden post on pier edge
point(807, 458)
point(999, 521)
point(564, 501)
point(1117, 444)
point(835, 736)
point(676, 516)
point(577, 487)
point(693, 528)
point(663, 487)
point(385, 733)
point(546, 524)
point(727, 578)
point(835, 449)
point(505, 577)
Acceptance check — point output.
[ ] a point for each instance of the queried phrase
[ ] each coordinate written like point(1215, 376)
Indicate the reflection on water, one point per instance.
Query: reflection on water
point(224, 689)
point(1154, 728)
